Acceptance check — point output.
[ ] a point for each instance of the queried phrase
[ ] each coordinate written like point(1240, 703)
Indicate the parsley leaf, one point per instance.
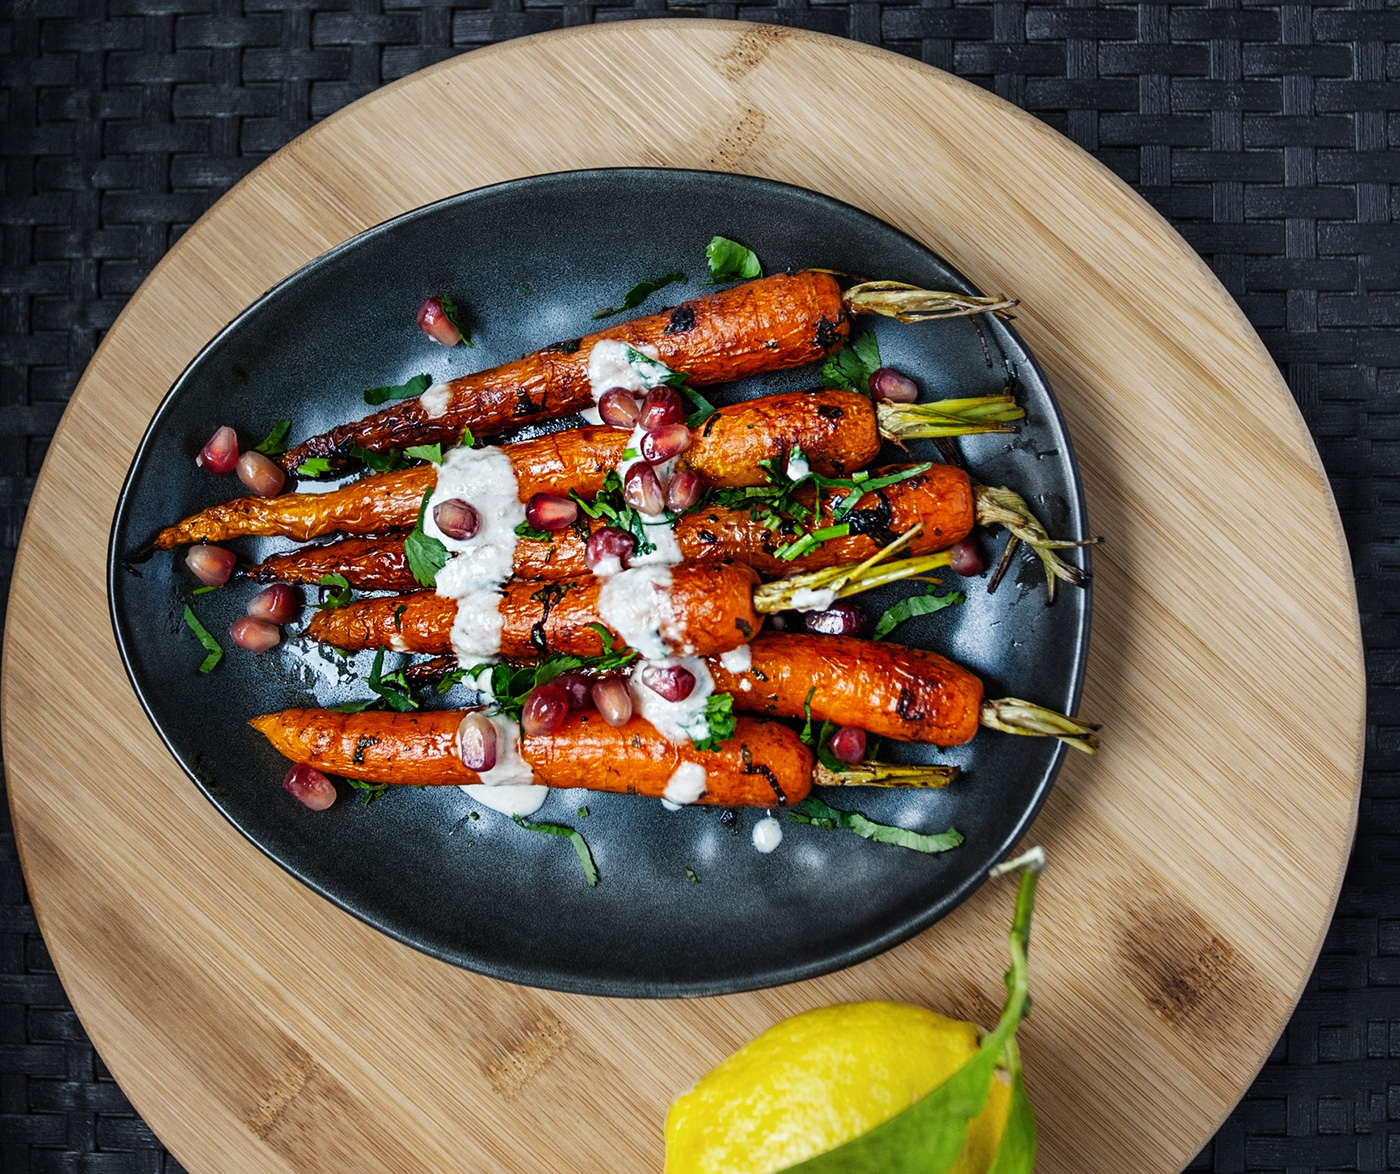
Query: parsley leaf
point(585, 857)
point(703, 408)
point(454, 315)
point(609, 504)
point(392, 690)
point(818, 814)
point(426, 555)
point(854, 364)
point(369, 792)
point(216, 653)
point(425, 452)
point(692, 876)
point(271, 445)
point(729, 260)
point(379, 462)
point(525, 530)
point(719, 716)
point(824, 754)
point(915, 605)
point(639, 293)
point(314, 467)
point(339, 593)
point(806, 735)
point(447, 680)
point(512, 684)
point(415, 386)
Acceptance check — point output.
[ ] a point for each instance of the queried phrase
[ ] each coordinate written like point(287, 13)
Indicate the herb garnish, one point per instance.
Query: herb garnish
point(314, 467)
point(915, 605)
point(818, 814)
point(692, 876)
point(639, 293)
point(369, 792)
point(853, 365)
point(426, 555)
point(525, 530)
point(415, 386)
point(392, 690)
point(208, 587)
point(730, 261)
point(609, 504)
point(379, 462)
point(719, 719)
point(448, 679)
point(425, 452)
point(338, 592)
point(585, 857)
point(511, 684)
point(454, 315)
point(271, 445)
point(216, 652)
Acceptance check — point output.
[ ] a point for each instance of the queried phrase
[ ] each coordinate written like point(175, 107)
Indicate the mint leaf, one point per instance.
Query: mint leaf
point(380, 462)
point(271, 445)
point(719, 716)
point(216, 653)
point(426, 555)
point(425, 452)
point(731, 261)
point(915, 605)
point(815, 812)
point(585, 857)
point(415, 386)
point(639, 293)
point(314, 467)
point(338, 594)
point(391, 689)
point(454, 315)
point(853, 365)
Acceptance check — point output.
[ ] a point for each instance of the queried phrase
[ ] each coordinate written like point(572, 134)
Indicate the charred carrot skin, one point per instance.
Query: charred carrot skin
point(903, 693)
point(766, 325)
point(713, 613)
point(369, 564)
point(762, 765)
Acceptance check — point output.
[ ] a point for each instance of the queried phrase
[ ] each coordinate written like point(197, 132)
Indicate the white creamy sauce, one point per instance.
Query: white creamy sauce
point(398, 643)
point(590, 415)
point(767, 834)
point(797, 467)
point(745, 685)
point(476, 628)
point(676, 721)
point(435, 400)
point(737, 660)
point(636, 604)
point(509, 799)
point(613, 363)
point(508, 787)
point(687, 785)
point(808, 599)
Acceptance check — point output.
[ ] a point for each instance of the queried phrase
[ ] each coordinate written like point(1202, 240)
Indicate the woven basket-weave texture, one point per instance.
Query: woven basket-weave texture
point(1261, 131)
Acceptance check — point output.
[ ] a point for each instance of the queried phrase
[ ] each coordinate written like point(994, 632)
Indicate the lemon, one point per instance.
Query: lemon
point(812, 1082)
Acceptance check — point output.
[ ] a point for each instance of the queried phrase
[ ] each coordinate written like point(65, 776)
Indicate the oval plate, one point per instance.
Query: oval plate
point(685, 906)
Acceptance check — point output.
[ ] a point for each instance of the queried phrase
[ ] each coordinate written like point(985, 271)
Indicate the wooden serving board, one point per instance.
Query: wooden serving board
point(1195, 862)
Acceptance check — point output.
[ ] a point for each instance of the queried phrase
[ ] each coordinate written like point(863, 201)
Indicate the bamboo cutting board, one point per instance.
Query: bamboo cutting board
point(1195, 862)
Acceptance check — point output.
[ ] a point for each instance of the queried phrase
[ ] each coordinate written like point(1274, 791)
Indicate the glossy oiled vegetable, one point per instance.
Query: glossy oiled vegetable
point(712, 612)
point(766, 325)
point(762, 765)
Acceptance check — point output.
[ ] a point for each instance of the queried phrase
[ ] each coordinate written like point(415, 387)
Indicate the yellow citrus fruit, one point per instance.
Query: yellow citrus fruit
point(812, 1082)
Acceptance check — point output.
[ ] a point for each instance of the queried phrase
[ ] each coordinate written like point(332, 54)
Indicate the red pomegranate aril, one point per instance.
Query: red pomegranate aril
point(669, 681)
point(614, 700)
point(545, 709)
point(548, 511)
point(578, 686)
point(434, 322)
point(211, 565)
point(887, 383)
point(278, 604)
point(661, 406)
point(684, 491)
point(966, 558)
point(262, 476)
point(641, 489)
point(254, 634)
point(848, 744)
point(456, 519)
point(476, 742)
point(785, 621)
point(609, 544)
point(220, 455)
point(618, 407)
point(661, 444)
point(308, 784)
point(840, 619)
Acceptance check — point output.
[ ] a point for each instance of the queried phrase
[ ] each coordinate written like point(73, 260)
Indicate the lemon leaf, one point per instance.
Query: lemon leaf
point(1016, 1153)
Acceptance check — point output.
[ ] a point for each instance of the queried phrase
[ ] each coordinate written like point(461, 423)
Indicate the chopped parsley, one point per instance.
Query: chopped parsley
point(415, 386)
point(208, 587)
point(426, 555)
point(639, 293)
point(425, 452)
point(692, 876)
point(818, 814)
point(703, 408)
point(337, 591)
point(379, 462)
point(853, 365)
point(271, 445)
point(585, 857)
point(453, 314)
point(216, 652)
point(609, 504)
point(448, 679)
point(392, 690)
point(719, 719)
point(511, 684)
point(314, 467)
point(525, 530)
point(369, 792)
point(731, 261)
point(915, 605)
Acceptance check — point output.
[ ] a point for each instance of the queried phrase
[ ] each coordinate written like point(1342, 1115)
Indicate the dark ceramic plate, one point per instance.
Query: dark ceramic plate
point(532, 259)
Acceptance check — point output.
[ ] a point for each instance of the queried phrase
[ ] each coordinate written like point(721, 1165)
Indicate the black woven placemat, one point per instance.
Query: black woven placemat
point(1261, 131)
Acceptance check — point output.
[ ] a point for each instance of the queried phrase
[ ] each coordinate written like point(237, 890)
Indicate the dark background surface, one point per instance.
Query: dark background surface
point(1261, 131)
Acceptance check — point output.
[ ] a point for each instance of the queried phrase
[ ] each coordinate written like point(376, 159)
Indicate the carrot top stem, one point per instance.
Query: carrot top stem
point(909, 303)
point(847, 579)
point(884, 774)
point(1011, 715)
point(1005, 507)
point(948, 417)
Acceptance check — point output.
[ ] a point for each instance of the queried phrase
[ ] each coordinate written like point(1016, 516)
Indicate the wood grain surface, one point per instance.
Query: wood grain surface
point(1195, 862)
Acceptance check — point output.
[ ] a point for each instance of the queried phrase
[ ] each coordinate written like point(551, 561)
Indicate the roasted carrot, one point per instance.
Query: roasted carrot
point(766, 325)
point(712, 612)
point(762, 765)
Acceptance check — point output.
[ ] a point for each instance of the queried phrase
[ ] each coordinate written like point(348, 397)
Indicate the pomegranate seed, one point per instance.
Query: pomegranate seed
point(617, 406)
point(614, 700)
point(669, 680)
point(220, 455)
point(548, 511)
point(887, 383)
point(642, 490)
point(476, 742)
point(967, 559)
point(840, 619)
point(579, 688)
point(545, 709)
point(262, 476)
point(785, 621)
point(254, 634)
point(661, 406)
point(308, 784)
point(684, 490)
point(610, 544)
point(212, 565)
point(661, 444)
point(278, 604)
point(848, 744)
point(456, 519)
point(434, 322)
